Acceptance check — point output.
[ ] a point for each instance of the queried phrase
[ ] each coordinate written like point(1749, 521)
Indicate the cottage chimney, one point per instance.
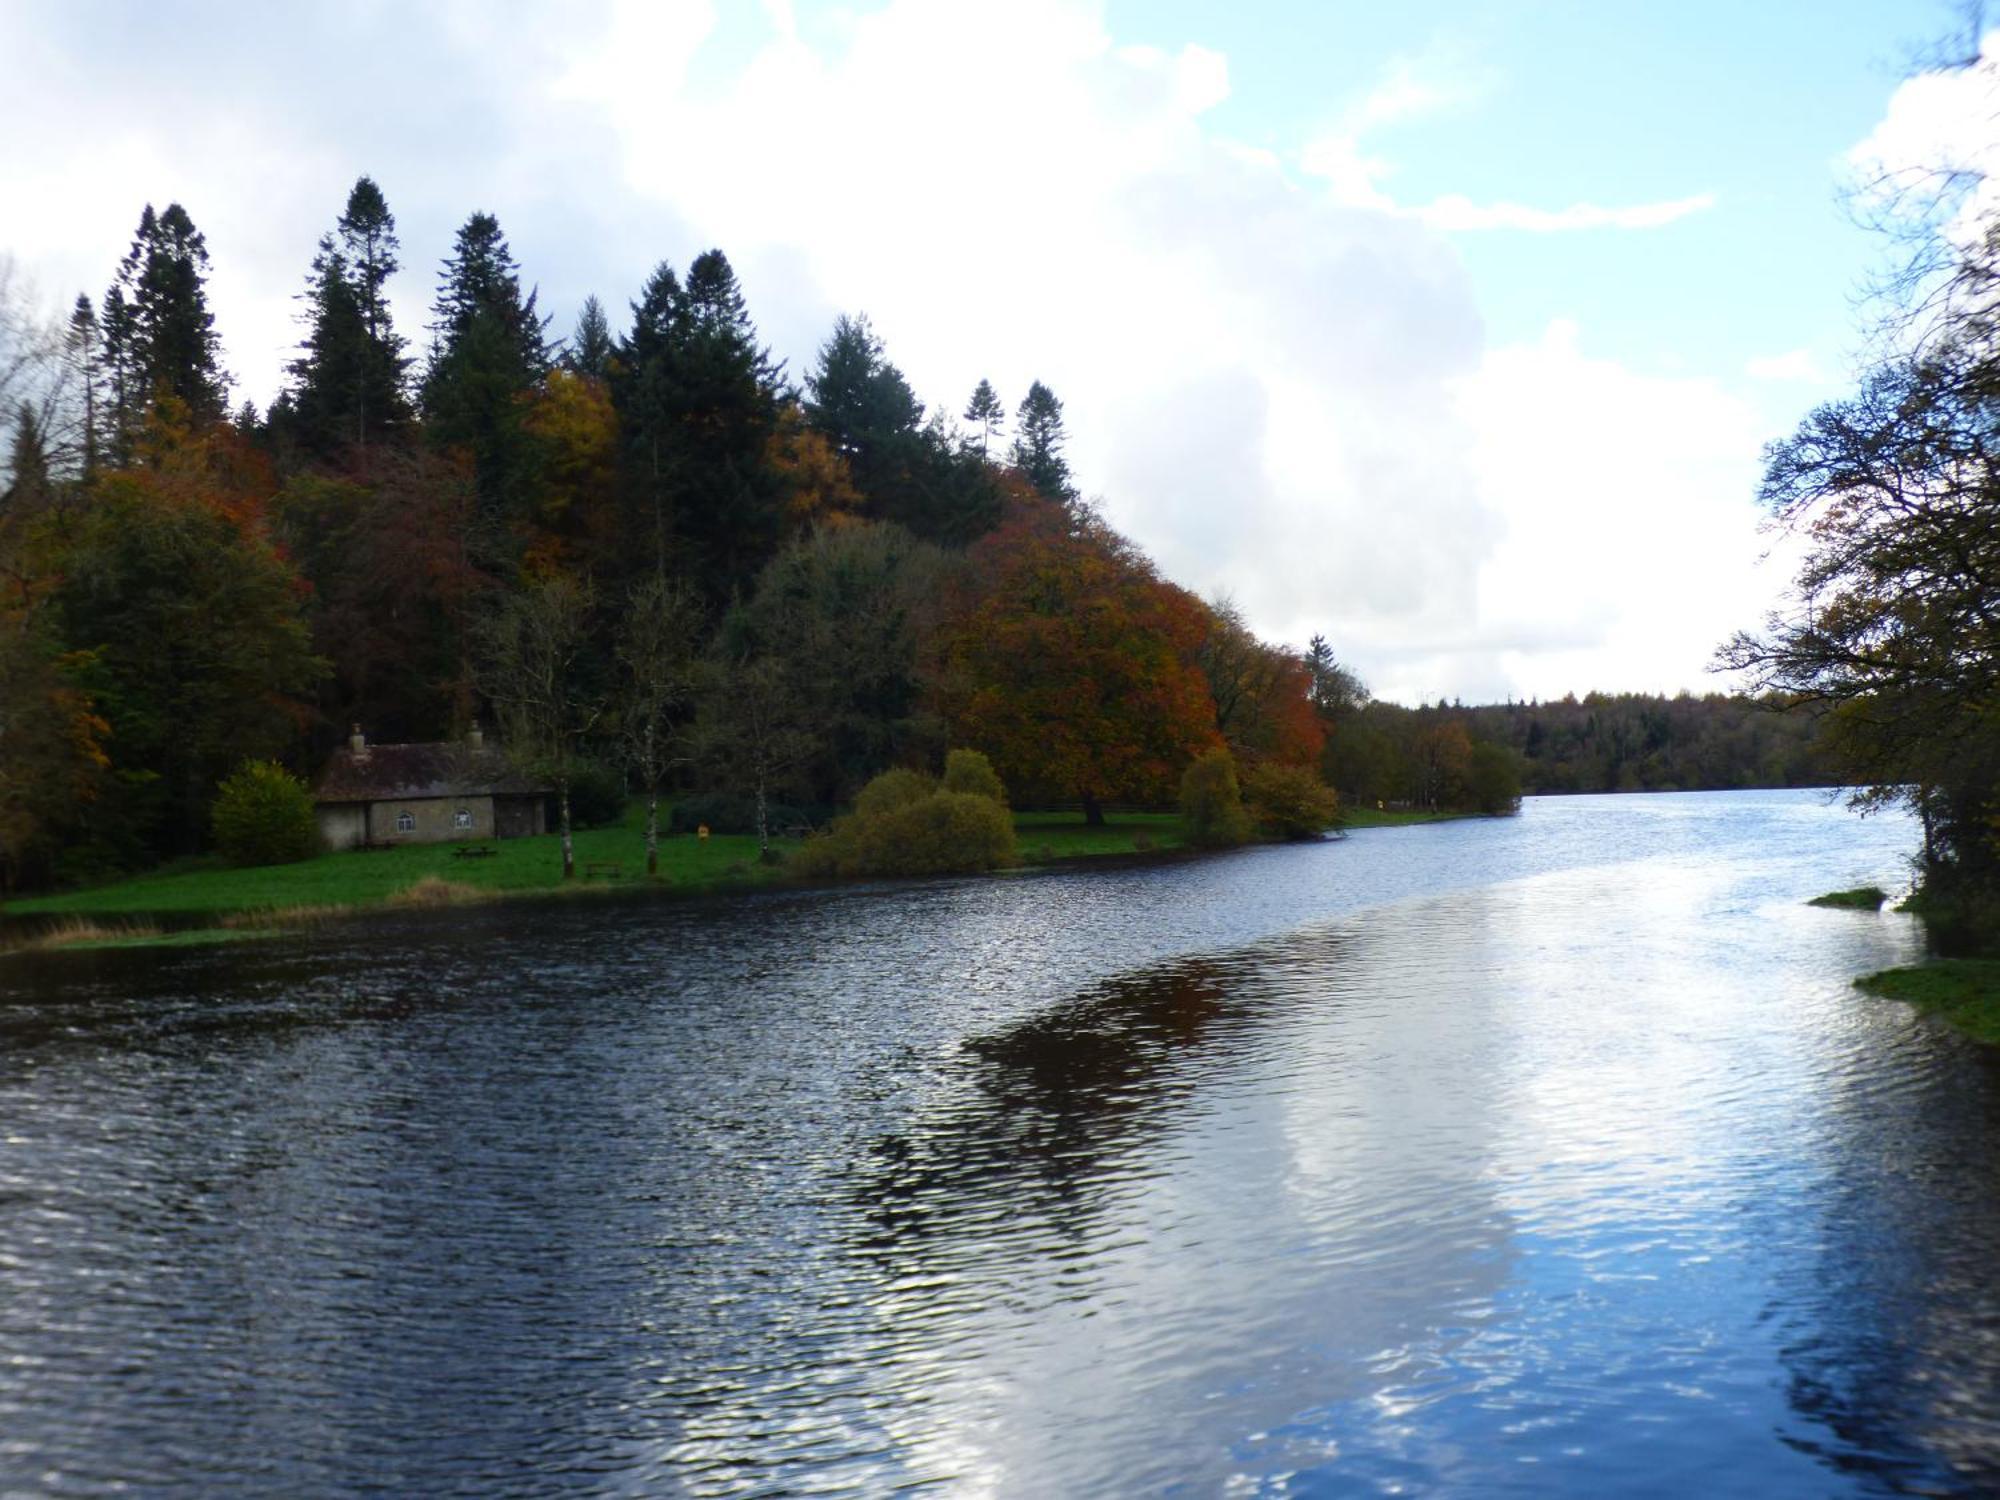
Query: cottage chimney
point(357, 741)
point(475, 738)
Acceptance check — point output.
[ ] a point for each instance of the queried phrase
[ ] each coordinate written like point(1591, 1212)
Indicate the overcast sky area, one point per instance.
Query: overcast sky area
point(1452, 332)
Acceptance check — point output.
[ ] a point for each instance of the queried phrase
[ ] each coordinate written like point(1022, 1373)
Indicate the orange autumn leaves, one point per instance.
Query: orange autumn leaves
point(1078, 669)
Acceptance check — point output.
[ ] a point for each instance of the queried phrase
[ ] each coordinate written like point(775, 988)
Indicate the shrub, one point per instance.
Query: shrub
point(1494, 781)
point(892, 789)
point(596, 795)
point(970, 772)
point(1211, 806)
point(263, 815)
point(903, 823)
point(1290, 802)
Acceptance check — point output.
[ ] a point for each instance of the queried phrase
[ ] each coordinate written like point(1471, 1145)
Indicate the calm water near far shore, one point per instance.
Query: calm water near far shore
point(1552, 1155)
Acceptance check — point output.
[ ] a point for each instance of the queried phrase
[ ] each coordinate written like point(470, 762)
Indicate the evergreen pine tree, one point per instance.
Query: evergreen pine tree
point(327, 402)
point(859, 400)
point(348, 382)
point(167, 333)
point(919, 477)
point(1039, 443)
point(488, 347)
point(27, 467)
point(85, 354)
point(368, 239)
point(123, 389)
point(698, 403)
point(590, 346)
point(986, 413)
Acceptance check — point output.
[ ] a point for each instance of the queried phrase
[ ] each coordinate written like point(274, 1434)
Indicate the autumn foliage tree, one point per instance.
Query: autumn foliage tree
point(1073, 665)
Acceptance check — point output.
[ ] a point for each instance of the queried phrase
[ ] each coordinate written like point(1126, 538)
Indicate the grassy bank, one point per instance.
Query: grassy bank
point(434, 874)
point(1049, 837)
point(1861, 898)
point(377, 877)
point(1964, 992)
point(217, 899)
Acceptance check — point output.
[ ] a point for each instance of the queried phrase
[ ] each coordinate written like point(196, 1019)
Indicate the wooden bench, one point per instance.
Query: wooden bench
point(603, 869)
point(475, 851)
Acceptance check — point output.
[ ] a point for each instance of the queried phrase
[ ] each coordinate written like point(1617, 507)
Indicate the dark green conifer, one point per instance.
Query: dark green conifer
point(591, 345)
point(28, 483)
point(697, 400)
point(85, 355)
point(986, 413)
point(167, 333)
point(488, 347)
point(1039, 443)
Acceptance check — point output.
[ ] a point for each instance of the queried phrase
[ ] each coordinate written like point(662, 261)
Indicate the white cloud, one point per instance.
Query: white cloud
point(1797, 367)
point(1455, 213)
point(1632, 547)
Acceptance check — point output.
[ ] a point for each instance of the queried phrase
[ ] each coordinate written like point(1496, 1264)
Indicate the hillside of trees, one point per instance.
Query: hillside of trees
point(646, 553)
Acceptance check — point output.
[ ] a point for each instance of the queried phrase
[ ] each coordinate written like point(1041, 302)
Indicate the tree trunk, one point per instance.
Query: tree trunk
point(653, 833)
point(1093, 811)
point(568, 844)
point(763, 820)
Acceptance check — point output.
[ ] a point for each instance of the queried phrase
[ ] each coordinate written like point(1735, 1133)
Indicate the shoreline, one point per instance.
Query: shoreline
point(198, 902)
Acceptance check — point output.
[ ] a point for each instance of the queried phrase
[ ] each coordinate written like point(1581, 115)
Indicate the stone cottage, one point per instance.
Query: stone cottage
point(424, 794)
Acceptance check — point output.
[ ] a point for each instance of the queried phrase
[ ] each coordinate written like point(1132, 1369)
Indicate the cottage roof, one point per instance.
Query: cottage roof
point(381, 773)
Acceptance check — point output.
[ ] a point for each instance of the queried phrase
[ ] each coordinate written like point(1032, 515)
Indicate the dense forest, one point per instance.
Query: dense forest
point(650, 556)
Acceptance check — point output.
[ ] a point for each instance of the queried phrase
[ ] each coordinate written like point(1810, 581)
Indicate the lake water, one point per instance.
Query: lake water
point(1553, 1155)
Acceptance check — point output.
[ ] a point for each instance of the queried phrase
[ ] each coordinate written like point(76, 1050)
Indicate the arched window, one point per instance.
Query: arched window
point(406, 822)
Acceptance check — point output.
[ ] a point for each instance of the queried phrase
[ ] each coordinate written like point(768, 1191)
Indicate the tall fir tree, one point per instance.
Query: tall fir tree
point(590, 347)
point(348, 384)
point(1038, 444)
point(697, 400)
point(167, 337)
point(325, 402)
point(28, 479)
point(124, 397)
point(489, 347)
point(985, 412)
point(915, 475)
point(86, 353)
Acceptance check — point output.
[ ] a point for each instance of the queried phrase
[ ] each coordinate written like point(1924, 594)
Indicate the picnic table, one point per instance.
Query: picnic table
point(474, 851)
point(603, 869)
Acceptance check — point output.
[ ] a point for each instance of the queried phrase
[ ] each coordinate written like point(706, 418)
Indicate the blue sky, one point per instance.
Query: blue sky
point(1452, 332)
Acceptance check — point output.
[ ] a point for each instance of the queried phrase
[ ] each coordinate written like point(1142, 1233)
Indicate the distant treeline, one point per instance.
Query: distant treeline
point(1453, 754)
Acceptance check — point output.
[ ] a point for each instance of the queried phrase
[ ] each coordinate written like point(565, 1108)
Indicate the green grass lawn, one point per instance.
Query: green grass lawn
point(371, 877)
point(364, 878)
point(1965, 992)
point(1044, 838)
point(1861, 898)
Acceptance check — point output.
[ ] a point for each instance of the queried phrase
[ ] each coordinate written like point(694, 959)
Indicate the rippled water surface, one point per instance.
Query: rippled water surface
point(1553, 1155)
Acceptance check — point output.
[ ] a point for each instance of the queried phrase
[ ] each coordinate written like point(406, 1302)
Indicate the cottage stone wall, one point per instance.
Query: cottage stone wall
point(342, 825)
point(435, 818)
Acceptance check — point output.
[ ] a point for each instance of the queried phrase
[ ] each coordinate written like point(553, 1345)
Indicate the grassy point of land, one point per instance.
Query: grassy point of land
point(239, 902)
point(1963, 992)
point(1861, 898)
